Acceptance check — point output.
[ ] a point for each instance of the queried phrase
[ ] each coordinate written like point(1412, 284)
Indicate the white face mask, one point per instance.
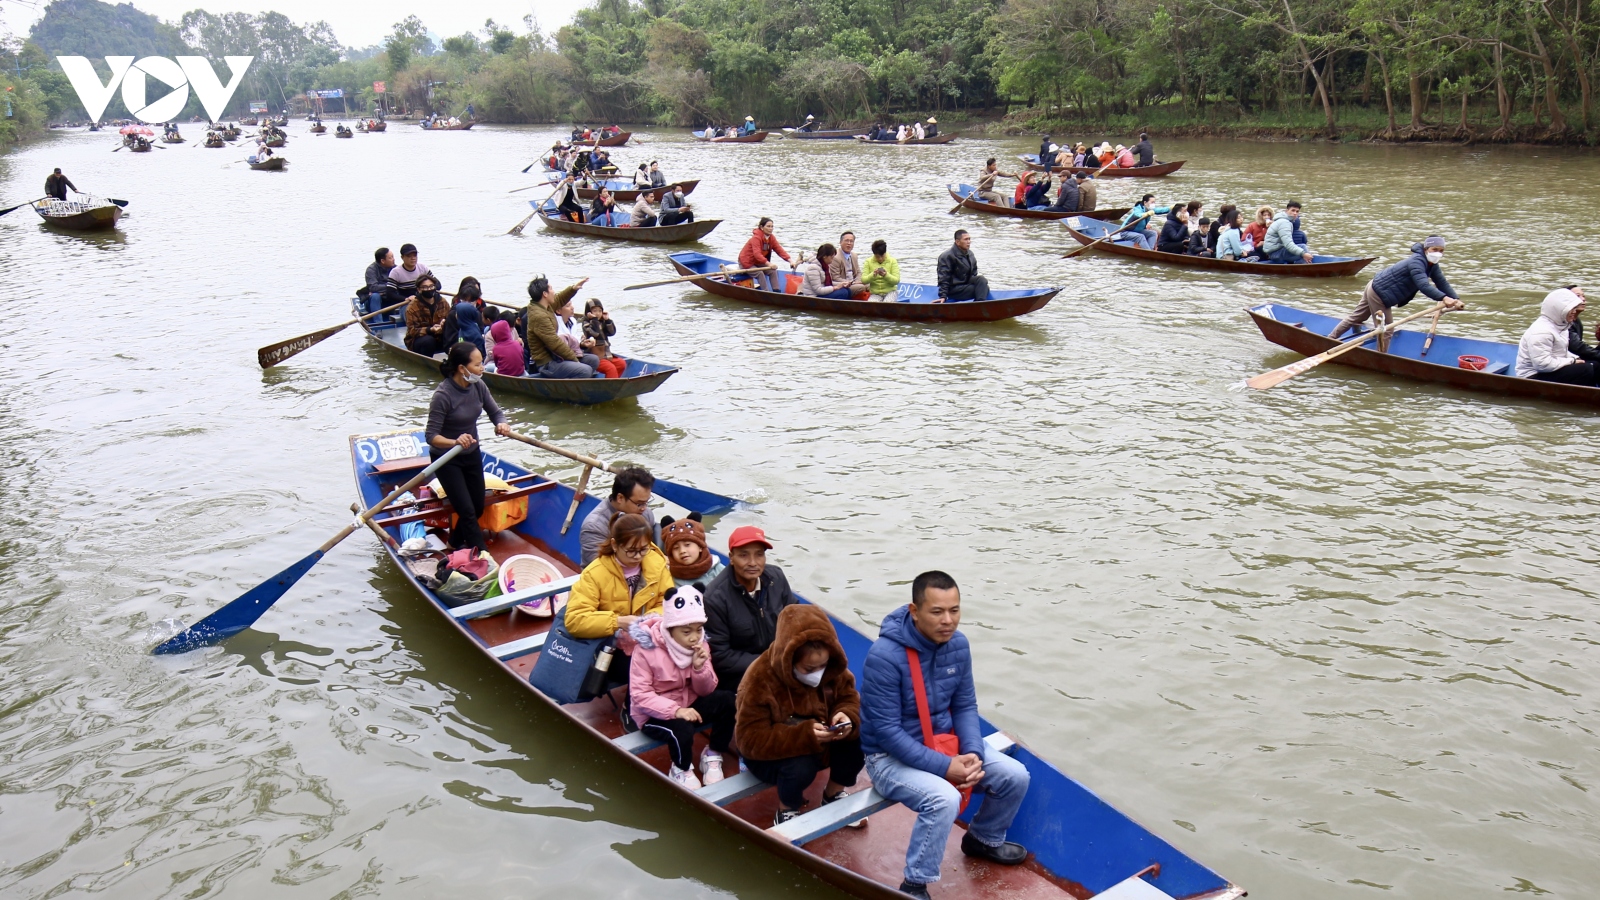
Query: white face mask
point(811, 680)
point(1434, 255)
point(471, 378)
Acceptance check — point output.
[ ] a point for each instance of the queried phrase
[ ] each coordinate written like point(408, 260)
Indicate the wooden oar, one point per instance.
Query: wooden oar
point(1433, 327)
point(634, 287)
point(692, 499)
point(517, 229)
point(1284, 373)
point(244, 610)
point(272, 354)
point(1109, 236)
point(21, 205)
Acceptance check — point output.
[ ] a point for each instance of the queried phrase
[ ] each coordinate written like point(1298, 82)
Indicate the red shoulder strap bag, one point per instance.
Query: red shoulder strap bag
point(948, 744)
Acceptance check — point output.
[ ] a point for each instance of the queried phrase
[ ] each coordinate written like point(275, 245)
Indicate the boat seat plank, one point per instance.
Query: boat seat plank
point(734, 787)
point(831, 817)
point(522, 647)
point(500, 604)
point(444, 507)
point(401, 465)
point(1498, 368)
point(1133, 888)
point(636, 742)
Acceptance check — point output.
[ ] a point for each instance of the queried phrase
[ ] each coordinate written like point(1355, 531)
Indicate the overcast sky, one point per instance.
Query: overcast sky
point(358, 23)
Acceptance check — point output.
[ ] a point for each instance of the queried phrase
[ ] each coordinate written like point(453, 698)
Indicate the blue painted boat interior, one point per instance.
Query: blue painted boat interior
point(1072, 832)
point(1098, 228)
point(1446, 350)
point(909, 292)
point(394, 332)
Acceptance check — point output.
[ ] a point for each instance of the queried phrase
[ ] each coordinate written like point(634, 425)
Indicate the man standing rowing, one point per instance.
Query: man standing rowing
point(56, 184)
point(1398, 285)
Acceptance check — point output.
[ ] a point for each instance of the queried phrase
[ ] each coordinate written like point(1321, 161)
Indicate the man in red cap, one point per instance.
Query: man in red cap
point(742, 606)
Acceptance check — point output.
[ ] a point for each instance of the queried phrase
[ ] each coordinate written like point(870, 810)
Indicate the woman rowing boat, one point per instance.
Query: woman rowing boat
point(453, 421)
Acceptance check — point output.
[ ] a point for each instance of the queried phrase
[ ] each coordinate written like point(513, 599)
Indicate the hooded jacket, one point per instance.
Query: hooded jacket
point(776, 711)
point(1399, 283)
point(1146, 153)
point(889, 722)
point(738, 628)
point(758, 251)
point(1174, 236)
point(507, 349)
point(1543, 347)
point(657, 688)
point(1067, 197)
point(601, 595)
point(1280, 236)
point(469, 325)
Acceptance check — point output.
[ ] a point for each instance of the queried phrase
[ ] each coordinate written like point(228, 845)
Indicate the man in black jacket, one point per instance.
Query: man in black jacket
point(958, 272)
point(1144, 150)
point(1576, 345)
point(742, 606)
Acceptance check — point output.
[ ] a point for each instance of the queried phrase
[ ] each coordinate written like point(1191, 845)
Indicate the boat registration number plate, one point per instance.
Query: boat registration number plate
point(1075, 222)
point(398, 446)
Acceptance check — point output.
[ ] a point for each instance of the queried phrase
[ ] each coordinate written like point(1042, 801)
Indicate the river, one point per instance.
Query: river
point(1333, 640)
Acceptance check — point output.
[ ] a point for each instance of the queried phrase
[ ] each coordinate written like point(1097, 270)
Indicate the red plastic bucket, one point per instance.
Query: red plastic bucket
point(1475, 363)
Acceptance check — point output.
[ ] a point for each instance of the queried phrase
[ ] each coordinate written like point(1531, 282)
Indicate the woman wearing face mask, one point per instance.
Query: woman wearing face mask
point(425, 318)
point(799, 712)
point(1398, 284)
point(453, 420)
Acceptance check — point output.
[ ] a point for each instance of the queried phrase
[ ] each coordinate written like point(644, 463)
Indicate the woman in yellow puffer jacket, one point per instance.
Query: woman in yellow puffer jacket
point(623, 584)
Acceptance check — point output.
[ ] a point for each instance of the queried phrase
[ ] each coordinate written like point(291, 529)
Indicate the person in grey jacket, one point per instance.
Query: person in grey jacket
point(630, 493)
point(958, 272)
point(1279, 245)
point(675, 209)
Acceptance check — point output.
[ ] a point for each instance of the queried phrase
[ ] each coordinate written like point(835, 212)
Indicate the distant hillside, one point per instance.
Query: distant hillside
point(94, 29)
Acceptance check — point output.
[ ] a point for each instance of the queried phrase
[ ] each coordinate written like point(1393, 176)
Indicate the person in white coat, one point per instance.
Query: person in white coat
point(1543, 352)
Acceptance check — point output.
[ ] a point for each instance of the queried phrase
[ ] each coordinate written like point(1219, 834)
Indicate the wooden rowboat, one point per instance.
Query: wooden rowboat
point(276, 142)
point(1081, 845)
point(640, 377)
point(842, 134)
point(459, 126)
point(275, 164)
point(251, 120)
point(622, 190)
point(1307, 333)
point(1155, 171)
point(616, 140)
point(912, 301)
point(215, 142)
point(88, 214)
point(655, 234)
point(170, 138)
point(319, 128)
point(1087, 230)
point(344, 134)
point(941, 139)
point(963, 193)
point(754, 138)
point(379, 126)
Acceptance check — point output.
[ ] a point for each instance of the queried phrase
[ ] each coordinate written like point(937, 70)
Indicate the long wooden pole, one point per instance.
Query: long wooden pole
point(1109, 236)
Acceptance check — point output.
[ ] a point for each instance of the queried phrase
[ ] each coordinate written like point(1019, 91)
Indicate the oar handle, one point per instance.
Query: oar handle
point(562, 451)
point(365, 516)
point(1113, 234)
point(634, 287)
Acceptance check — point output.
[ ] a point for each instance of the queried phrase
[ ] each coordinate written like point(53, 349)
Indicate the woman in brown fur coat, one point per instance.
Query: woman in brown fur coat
point(799, 713)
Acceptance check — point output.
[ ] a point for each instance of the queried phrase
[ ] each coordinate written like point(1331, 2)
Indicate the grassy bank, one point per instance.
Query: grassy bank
point(1354, 123)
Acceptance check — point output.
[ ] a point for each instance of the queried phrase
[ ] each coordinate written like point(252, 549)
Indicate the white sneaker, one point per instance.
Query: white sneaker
point(711, 766)
point(684, 777)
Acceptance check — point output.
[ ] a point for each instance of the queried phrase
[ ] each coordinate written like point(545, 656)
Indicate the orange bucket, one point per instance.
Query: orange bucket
point(1475, 363)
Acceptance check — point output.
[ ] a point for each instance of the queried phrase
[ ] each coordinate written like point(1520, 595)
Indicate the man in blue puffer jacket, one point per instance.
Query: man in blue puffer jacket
point(902, 767)
point(1398, 284)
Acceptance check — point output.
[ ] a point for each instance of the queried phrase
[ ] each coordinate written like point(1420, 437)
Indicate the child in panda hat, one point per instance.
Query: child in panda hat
point(672, 688)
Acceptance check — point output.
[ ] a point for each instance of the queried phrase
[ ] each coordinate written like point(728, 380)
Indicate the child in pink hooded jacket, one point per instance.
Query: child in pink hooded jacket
point(672, 689)
point(507, 349)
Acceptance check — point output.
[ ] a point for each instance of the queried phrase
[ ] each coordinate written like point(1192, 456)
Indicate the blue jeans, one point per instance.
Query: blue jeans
point(563, 368)
point(836, 294)
point(937, 802)
point(1285, 255)
point(1139, 238)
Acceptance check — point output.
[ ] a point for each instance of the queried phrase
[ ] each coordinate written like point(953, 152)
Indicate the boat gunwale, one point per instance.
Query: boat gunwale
point(1342, 267)
point(654, 234)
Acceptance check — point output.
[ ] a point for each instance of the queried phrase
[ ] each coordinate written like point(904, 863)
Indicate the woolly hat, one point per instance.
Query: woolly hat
point(1433, 242)
point(683, 606)
point(675, 532)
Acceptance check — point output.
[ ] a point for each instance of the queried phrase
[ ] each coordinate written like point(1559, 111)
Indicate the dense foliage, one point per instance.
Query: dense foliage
point(1484, 68)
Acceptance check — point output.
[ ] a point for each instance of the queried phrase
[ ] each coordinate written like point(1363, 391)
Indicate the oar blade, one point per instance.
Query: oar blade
point(239, 614)
point(273, 354)
point(693, 499)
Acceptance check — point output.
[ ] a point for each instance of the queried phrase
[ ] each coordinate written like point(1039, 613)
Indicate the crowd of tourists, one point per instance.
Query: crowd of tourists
point(837, 272)
point(545, 339)
point(914, 131)
point(732, 652)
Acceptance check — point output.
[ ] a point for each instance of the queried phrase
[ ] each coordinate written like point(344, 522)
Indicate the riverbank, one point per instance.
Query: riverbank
point(1480, 125)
